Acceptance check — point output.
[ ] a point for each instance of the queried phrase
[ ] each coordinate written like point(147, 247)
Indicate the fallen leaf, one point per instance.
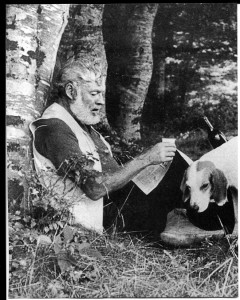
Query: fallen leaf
point(46, 229)
point(10, 229)
point(26, 219)
point(64, 265)
point(81, 246)
point(57, 244)
point(55, 287)
point(58, 239)
point(65, 260)
point(71, 249)
point(15, 264)
point(44, 239)
point(23, 262)
point(55, 226)
point(33, 223)
point(60, 224)
point(35, 192)
point(18, 225)
point(68, 233)
point(76, 275)
point(92, 254)
point(57, 248)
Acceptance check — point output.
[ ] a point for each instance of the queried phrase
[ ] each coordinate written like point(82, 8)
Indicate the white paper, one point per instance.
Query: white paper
point(148, 179)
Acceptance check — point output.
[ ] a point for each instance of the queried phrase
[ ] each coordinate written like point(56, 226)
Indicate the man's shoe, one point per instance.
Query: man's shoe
point(180, 231)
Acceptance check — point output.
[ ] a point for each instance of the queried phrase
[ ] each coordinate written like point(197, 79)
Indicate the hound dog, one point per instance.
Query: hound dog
point(212, 177)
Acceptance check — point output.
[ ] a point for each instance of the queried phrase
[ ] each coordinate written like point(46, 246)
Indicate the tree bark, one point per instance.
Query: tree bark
point(33, 36)
point(137, 70)
point(154, 106)
point(83, 38)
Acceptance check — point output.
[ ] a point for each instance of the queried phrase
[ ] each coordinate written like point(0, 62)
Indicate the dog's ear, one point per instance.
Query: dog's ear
point(219, 186)
point(184, 189)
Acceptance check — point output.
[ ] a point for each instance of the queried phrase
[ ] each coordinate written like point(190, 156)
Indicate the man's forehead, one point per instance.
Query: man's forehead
point(94, 85)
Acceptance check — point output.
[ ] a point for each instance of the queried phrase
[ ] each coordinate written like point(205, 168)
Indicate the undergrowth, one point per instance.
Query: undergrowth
point(120, 266)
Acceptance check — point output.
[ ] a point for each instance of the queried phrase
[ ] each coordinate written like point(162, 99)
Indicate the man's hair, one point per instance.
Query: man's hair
point(77, 71)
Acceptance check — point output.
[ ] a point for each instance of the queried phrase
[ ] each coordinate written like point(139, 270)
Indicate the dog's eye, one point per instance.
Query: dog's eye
point(204, 186)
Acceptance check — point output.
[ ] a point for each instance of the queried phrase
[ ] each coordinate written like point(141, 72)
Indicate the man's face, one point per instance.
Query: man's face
point(88, 102)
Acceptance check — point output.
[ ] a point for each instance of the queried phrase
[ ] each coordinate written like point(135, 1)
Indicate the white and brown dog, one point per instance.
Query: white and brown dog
point(209, 178)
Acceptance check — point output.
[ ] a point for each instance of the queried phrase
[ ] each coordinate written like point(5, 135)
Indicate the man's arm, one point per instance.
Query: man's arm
point(98, 186)
point(58, 143)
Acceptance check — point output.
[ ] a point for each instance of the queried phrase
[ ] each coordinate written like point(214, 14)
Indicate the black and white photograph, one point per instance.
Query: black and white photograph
point(122, 150)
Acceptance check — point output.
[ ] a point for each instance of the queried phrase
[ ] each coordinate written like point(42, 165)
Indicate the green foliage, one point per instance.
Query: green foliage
point(199, 51)
point(222, 115)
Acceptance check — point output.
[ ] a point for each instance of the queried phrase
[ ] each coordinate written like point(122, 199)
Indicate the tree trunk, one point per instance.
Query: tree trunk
point(83, 38)
point(154, 106)
point(33, 36)
point(138, 70)
point(159, 53)
point(114, 32)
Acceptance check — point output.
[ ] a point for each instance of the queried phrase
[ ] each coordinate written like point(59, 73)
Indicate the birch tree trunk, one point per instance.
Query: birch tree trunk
point(83, 39)
point(137, 69)
point(33, 35)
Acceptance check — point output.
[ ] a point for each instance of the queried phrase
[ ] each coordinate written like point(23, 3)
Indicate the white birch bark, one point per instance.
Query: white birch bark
point(33, 35)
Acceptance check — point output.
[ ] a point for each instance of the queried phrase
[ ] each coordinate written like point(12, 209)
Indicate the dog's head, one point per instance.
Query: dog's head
point(203, 182)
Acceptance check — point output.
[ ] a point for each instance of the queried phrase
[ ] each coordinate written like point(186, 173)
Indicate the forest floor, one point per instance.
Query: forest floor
point(68, 262)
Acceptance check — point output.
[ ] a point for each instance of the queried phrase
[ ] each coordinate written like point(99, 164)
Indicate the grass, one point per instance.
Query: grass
point(122, 265)
point(129, 267)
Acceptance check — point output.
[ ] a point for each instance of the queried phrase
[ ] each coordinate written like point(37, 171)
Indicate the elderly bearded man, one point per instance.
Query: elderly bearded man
point(64, 135)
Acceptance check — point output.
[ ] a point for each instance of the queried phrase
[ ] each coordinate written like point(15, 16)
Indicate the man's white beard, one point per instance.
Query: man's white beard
point(83, 114)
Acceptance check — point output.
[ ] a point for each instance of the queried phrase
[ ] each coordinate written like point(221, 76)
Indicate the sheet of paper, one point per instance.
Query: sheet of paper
point(148, 179)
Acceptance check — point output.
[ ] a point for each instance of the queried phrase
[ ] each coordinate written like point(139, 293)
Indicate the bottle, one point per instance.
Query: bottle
point(215, 136)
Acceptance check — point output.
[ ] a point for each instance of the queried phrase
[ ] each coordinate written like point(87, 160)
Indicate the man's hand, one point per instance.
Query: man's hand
point(161, 152)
